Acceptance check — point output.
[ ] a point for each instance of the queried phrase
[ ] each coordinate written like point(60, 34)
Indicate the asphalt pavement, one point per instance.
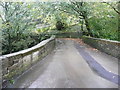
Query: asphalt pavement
point(69, 67)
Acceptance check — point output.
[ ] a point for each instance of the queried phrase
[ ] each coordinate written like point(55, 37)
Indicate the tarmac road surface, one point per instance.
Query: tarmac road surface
point(67, 67)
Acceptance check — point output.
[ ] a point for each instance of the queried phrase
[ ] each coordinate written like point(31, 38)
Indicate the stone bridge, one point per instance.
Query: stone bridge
point(63, 63)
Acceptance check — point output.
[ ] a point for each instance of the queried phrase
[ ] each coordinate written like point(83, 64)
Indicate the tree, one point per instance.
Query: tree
point(55, 16)
point(104, 21)
point(114, 6)
point(79, 9)
point(16, 21)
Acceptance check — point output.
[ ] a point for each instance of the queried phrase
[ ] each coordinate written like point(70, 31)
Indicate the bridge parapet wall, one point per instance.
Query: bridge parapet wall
point(15, 64)
point(108, 46)
point(58, 34)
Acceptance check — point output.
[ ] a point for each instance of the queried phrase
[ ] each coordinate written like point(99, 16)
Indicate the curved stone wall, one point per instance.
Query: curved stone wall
point(108, 46)
point(16, 63)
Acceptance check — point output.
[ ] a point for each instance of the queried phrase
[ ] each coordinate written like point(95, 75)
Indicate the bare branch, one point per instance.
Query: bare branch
point(2, 18)
point(115, 9)
point(2, 4)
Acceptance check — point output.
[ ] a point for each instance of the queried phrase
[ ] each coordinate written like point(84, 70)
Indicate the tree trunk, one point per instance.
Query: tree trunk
point(9, 42)
point(82, 25)
point(87, 26)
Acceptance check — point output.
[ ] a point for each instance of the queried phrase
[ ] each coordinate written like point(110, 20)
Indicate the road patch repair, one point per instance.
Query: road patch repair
point(98, 68)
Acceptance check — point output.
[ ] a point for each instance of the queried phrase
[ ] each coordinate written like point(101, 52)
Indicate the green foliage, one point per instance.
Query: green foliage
point(101, 19)
point(60, 25)
point(17, 25)
point(104, 22)
point(11, 81)
point(20, 20)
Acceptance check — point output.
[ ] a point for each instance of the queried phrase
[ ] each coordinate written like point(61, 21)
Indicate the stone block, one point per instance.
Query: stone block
point(13, 68)
point(5, 71)
point(5, 63)
point(27, 59)
point(35, 56)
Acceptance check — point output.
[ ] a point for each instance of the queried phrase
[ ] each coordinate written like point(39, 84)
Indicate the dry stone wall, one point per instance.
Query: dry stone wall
point(16, 63)
point(108, 46)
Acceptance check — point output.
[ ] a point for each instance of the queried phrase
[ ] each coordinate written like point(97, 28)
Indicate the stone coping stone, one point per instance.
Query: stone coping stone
point(105, 40)
point(32, 49)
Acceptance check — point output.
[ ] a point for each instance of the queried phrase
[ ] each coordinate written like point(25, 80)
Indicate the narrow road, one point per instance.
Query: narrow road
point(66, 67)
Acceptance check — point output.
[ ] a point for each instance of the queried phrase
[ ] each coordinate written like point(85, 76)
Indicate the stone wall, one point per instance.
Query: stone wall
point(16, 63)
point(69, 35)
point(108, 46)
point(64, 34)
